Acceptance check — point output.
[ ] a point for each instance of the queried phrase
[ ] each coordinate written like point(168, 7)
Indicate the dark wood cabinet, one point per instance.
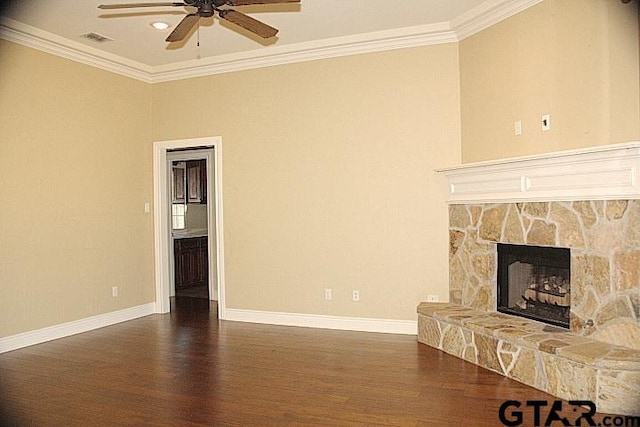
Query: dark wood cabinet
point(178, 185)
point(197, 181)
point(189, 181)
point(191, 262)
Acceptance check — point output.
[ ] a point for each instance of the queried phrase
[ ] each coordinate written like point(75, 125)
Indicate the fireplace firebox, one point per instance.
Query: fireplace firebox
point(535, 282)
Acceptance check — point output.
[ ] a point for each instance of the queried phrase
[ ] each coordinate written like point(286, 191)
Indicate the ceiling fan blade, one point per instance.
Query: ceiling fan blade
point(248, 23)
point(249, 2)
point(183, 28)
point(132, 5)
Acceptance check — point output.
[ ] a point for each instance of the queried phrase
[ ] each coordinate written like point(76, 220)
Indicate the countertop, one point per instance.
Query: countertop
point(188, 233)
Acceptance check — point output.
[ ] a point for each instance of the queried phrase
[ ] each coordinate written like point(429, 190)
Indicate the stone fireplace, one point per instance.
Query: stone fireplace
point(580, 210)
point(604, 238)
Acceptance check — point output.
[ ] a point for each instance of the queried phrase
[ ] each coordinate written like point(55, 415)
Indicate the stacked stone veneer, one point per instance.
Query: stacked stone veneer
point(604, 238)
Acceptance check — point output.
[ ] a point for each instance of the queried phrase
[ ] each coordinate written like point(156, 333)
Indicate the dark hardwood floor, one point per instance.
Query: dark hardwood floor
point(199, 291)
point(189, 369)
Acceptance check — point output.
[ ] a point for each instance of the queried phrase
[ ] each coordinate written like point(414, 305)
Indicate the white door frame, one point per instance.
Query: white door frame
point(162, 230)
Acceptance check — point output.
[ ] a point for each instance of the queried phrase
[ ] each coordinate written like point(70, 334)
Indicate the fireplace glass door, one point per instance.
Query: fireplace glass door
point(535, 282)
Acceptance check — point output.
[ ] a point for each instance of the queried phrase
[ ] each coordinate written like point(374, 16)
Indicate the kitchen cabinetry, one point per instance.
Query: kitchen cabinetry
point(178, 185)
point(189, 182)
point(191, 262)
point(197, 181)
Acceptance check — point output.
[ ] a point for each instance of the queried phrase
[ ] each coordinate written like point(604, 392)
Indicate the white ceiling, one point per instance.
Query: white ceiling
point(312, 25)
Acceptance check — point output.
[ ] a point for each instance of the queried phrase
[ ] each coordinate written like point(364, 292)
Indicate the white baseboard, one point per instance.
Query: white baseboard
point(387, 326)
point(38, 336)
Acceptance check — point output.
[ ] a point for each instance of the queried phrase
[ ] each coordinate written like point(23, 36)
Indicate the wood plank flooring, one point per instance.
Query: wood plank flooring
point(188, 368)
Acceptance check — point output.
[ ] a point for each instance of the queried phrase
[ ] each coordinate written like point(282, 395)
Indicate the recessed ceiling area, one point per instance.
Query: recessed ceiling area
point(304, 27)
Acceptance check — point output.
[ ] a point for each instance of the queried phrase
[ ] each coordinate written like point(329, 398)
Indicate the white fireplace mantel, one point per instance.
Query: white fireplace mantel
point(596, 173)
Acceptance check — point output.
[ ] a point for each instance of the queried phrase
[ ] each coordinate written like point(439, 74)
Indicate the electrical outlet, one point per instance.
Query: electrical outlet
point(355, 296)
point(115, 291)
point(328, 294)
point(432, 298)
point(517, 127)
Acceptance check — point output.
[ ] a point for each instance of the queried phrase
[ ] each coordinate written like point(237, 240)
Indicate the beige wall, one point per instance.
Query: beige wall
point(328, 177)
point(575, 60)
point(75, 168)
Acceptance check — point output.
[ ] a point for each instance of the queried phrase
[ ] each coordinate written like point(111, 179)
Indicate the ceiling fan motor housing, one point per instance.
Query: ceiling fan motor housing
point(205, 8)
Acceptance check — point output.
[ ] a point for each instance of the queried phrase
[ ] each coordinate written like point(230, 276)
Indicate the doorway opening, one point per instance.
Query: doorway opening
point(188, 222)
point(190, 233)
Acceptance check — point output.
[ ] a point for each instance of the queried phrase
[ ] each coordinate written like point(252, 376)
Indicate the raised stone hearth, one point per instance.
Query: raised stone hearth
point(548, 358)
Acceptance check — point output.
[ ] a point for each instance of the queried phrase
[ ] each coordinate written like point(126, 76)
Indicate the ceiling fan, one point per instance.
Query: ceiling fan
point(208, 8)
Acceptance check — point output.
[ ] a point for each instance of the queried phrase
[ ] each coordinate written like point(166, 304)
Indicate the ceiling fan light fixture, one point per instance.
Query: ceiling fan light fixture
point(160, 25)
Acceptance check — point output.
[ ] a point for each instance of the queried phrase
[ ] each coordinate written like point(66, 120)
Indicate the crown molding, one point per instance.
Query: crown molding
point(487, 14)
point(44, 41)
point(467, 24)
point(379, 41)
